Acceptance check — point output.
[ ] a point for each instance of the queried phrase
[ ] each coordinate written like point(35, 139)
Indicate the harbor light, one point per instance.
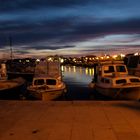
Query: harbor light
point(107, 57)
point(136, 54)
point(61, 60)
point(114, 56)
point(27, 60)
point(122, 55)
point(37, 60)
point(49, 59)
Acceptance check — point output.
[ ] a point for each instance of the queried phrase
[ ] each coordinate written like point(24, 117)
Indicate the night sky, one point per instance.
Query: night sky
point(69, 27)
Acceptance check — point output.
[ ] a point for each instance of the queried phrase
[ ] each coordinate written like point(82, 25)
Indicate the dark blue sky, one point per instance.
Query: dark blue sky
point(41, 27)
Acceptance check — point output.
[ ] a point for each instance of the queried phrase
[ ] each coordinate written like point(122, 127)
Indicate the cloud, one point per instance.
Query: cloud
point(48, 47)
point(9, 5)
point(24, 5)
point(64, 30)
point(111, 49)
point(22, 52)
point(54, 25)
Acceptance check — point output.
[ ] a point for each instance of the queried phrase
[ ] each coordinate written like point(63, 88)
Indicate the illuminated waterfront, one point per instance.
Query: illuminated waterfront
point(79, 75)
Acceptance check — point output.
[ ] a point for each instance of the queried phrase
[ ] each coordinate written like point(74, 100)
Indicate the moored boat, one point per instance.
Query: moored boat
point(132, 62)
point(47, 82)
point(10, 88)
point(21, 68)
point(47, 88)
point(112, 79)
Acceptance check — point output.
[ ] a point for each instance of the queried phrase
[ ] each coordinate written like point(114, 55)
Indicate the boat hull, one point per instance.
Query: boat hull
point(12, 89)
point(127, 93)
point(47, 94)
point(26, 76)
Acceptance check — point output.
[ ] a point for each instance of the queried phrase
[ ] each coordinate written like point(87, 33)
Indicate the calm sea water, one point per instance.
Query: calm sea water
point(77, 80)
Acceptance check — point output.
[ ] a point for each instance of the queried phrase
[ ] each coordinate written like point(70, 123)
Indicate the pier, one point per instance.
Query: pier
point(69, 120)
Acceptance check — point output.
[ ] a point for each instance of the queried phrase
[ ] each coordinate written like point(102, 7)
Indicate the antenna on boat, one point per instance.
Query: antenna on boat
point(11, 50)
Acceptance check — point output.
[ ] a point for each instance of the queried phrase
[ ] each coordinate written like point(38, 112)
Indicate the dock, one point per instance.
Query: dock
point(69, 120)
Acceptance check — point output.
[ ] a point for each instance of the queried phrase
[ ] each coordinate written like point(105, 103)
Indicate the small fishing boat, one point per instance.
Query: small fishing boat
point(47, 82)
point(111, 79)
point(10, 88)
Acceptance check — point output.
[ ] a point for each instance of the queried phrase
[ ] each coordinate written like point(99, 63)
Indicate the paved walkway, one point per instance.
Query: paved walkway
point(69, 120)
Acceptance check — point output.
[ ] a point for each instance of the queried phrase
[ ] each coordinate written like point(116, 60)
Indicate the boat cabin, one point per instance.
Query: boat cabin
point(107, 81)
point(50, 82)
point(109, 74)
point(112, 69)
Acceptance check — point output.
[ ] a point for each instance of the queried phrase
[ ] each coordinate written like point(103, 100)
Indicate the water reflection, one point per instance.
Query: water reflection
point(77, 80)
point(89, 71)
point(77, 75)
point(81, 70)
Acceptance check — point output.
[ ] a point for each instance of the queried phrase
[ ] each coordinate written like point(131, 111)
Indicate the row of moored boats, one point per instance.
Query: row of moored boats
point(111, 78)
point(47, 83)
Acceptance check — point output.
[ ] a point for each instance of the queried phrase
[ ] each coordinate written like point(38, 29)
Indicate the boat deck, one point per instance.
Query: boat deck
point(69, 120)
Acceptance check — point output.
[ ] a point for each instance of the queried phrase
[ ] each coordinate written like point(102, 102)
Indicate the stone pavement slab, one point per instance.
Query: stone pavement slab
point(69, 120)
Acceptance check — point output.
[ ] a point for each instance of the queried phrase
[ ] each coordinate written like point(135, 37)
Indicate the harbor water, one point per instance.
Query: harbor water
point(76, 79)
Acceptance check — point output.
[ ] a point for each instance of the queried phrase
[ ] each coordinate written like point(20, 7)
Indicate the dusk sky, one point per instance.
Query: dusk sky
point(69, 27)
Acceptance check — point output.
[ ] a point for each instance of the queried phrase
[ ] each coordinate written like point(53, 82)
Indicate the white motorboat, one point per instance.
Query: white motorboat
point(112, 79)
point(47, 83)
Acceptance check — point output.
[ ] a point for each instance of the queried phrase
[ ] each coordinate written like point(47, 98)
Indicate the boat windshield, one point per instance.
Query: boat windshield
point(120, 69)
point(39, 82)
point(109, 69)
point(51, 81)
